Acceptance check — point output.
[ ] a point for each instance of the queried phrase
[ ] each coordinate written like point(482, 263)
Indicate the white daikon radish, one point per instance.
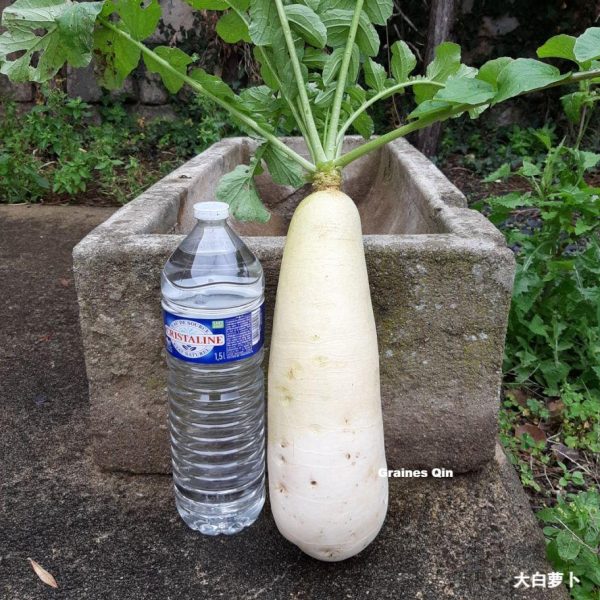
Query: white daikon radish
point(325, 432)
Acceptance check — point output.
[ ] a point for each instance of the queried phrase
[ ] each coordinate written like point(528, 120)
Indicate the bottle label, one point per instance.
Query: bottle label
point(215, 341)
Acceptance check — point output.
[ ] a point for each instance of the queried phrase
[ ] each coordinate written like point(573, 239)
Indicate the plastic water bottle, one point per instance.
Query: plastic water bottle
point(212, 297)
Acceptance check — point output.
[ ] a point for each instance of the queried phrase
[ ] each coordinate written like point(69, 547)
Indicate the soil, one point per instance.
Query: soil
point(471, 185)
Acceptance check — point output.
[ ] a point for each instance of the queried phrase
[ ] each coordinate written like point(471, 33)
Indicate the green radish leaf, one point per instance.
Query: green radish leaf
point(587, 45)
point(313, 4)
point(283, 170)
point(116, 57)
point(265, 72)
point(338, 23)
point(283, 65)
point(324, 98)
point(307, 24)
point(232, 28)
point(466, 90)
point(367, 37)
point(140, 20)
point(428, 108)
point(264, 22)
point(363, 125)
point(379, 11)
point(314, 58)
point(559, 46)
point(490, 71)
point(357, 95)
point(375, 75)
point(178, 59)
point(525, 75)
point(334, 61)
point(445, 64)
point(403, 61)
point(212, 84)
point(332, 66)
point(66, 37)
point(240, 5)
point(477, 111)
point(568, 547)
point(259, 100)
point(239, 191)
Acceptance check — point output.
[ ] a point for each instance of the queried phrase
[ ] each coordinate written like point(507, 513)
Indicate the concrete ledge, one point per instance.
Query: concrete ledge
point(441, 280)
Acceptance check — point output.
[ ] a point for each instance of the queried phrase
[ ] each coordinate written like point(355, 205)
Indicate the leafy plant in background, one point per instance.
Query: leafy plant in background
point(59, 151)
point(483, 147)
point(554, 326)
point(573, 530)
point(553, 339)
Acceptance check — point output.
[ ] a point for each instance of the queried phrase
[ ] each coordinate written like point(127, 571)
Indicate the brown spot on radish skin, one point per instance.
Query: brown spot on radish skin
point(283, 444)
point(281, 488)
point(315, 337)
point(321, 361)
point(286, 396)
point(313, 482)
point(348, 456)
point(282, 459)
point(294, 371)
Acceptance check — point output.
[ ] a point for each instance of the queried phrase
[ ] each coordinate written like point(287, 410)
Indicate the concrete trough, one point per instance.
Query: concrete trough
point(441, 280)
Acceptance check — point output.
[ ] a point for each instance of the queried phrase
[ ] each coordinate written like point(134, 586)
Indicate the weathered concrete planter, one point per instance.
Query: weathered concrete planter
point(441, 280)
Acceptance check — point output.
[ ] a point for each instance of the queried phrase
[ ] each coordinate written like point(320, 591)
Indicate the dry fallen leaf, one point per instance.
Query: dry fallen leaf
point(561, 452)
point(533, 430)
point(64, 282)
point(43, 574)
point(556, 408)
point(518, 395)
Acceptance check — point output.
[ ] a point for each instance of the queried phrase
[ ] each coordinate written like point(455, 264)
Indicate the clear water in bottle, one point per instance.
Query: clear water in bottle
point(212, 298)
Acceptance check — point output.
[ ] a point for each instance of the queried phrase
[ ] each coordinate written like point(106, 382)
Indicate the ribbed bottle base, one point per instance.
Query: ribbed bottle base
point(224, 518)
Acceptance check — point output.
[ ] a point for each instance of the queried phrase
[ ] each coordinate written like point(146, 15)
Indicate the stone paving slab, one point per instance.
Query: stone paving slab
point(112, 536)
